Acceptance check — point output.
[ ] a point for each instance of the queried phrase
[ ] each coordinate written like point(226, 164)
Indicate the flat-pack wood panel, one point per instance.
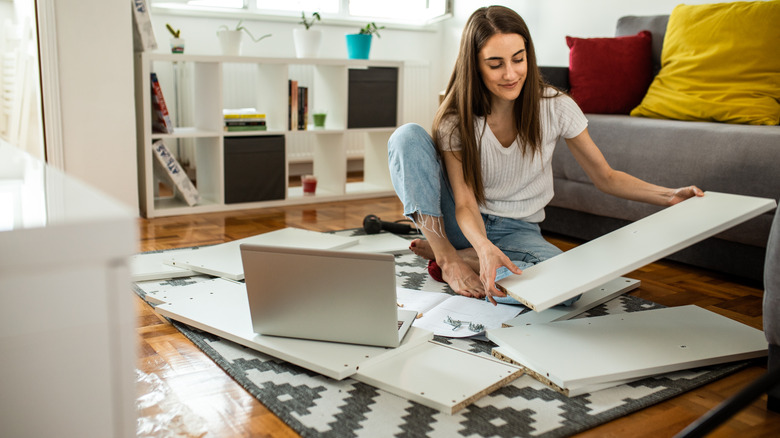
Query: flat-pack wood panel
point(590, 299)
point(221, 307)
point(591, 351)
point(224, 260)
point(593, 263)
point(152, 266)
point(438, 376)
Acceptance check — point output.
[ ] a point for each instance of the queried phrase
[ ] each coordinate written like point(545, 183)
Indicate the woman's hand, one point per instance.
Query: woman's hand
point(684, 193)
point(490, 259)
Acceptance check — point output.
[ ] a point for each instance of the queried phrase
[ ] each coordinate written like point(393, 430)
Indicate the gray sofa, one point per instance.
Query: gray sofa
point(739, 159)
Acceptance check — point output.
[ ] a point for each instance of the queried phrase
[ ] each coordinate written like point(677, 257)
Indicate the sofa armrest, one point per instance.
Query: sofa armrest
point(556, 76)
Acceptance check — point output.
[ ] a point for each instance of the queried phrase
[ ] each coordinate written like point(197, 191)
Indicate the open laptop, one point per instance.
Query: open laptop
point(326, 295)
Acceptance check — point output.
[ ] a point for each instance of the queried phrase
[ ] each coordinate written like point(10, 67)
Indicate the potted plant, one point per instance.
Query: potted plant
point(230, 39)
point(177, 43)
point(359, 44)
point(307, 41)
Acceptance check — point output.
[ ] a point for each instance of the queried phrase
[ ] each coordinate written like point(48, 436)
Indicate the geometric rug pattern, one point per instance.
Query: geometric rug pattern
point(317, 406)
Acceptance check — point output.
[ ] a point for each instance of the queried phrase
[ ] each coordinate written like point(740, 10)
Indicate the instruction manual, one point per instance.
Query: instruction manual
point(454, 316)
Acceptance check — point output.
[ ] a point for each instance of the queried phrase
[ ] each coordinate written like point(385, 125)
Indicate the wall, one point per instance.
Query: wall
point(550, 21)
point(95, 52)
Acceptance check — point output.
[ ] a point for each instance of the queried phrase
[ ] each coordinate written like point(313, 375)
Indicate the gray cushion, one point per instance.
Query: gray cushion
point(656, 24)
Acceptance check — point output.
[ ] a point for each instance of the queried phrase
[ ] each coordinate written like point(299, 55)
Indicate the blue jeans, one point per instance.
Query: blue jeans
point(421, 183)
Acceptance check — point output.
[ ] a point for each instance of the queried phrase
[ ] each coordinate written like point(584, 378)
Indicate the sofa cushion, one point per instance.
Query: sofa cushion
point(719, 64)
point(609, 75)
point(655, 24)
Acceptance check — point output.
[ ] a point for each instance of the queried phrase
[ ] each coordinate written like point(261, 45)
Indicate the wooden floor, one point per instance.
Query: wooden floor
point(198, 397)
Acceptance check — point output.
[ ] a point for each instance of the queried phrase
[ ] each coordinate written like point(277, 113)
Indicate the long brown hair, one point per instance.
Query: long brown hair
point(467, 96)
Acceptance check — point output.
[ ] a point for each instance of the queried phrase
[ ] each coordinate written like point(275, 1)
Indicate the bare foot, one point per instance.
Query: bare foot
point(462, 279)
point(423, 249)
point(461, 274)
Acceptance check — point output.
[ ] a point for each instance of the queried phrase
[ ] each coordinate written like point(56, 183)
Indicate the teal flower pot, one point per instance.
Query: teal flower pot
point(358, 46)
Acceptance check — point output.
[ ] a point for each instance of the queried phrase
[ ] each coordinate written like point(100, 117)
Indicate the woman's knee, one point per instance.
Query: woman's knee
point(409, 130)
point(410, 137)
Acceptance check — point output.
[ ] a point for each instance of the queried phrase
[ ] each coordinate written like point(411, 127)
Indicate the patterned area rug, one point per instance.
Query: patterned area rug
point(317, 406)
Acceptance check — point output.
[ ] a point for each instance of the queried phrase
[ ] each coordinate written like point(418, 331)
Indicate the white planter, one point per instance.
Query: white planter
point(230, 40)
point(307, 42)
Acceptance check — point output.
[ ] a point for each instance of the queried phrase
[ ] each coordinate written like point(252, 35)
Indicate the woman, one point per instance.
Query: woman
point(494, 134)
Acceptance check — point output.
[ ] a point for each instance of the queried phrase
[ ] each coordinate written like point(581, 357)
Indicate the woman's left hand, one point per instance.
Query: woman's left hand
point(684, 193)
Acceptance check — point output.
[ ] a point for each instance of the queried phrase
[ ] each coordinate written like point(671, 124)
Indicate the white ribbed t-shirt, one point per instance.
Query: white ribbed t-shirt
point(518, 186)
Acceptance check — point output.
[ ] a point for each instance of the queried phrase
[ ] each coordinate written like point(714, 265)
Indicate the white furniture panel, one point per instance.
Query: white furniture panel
point(224, 260)
point(570, 391)
point(633, 246)
point(438, 376)
point(151, 266)
point(64, 283)
point(221, 307)
point(590, 299)
point(613, 348)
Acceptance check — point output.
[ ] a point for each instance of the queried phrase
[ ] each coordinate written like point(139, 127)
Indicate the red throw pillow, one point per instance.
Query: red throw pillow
point(610, 75)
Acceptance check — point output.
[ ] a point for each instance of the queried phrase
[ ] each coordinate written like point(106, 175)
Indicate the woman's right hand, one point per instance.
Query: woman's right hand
point(490, 259)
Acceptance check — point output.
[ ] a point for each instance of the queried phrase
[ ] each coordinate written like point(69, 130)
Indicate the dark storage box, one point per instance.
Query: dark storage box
point(254, 169)
point(373, 97)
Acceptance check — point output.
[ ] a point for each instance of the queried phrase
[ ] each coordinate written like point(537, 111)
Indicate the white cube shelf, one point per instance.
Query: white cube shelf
point(197, 88)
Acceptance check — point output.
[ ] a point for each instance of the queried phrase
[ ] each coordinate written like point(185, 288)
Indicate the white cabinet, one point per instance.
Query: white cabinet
point(196, 90)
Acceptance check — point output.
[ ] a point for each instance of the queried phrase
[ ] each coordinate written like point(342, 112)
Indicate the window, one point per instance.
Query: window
point(422, 10)
point(404, 12)
point(236, 4)
point(321, 6)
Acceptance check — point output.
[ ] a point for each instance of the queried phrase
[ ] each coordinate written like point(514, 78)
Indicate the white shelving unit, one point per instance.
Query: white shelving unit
point(201, 98)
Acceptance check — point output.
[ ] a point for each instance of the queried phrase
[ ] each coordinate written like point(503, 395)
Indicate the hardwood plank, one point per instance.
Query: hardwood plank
point(216, 401)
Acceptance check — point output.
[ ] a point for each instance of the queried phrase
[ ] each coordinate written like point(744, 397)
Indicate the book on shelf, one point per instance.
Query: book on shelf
point(245, 119)
point(167, 165)
point(241, 113)
point(298, 107)
point(143, 32)
point(303, 108)
point(292, 124)
point(161, 118)
point(239, 128)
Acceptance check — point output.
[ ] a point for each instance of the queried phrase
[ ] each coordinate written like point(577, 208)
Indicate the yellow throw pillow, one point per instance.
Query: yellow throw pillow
point(719, 63)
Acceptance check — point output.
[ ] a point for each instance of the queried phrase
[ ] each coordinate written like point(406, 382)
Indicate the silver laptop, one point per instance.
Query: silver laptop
point(325, 295)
